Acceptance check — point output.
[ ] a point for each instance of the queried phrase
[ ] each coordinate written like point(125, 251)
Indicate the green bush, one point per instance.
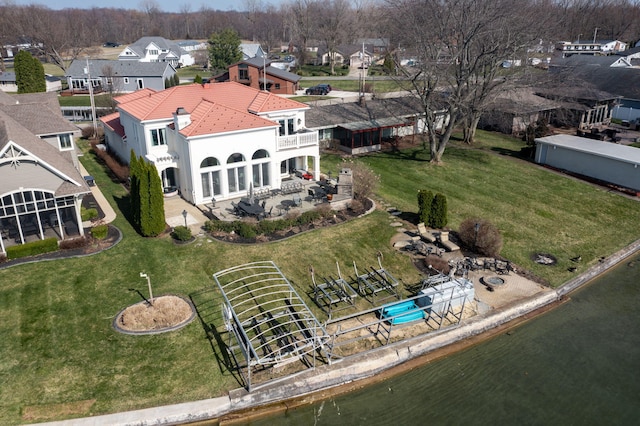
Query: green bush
point(88, 214)
point(181, 233)
point(438, 217)
point(99, 232)
point(246, 230)
point(425, 199)
point(31, 249)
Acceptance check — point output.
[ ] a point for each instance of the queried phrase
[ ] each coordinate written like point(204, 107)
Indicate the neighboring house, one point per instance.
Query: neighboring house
point(596, 47)
point(41, 188)
point(214, 140)
point(117, 76)
point(605, 161)
point(356, 56)
point(252, 50)
point(378, 46)
point(192, 45)
point(156, 49)
point(360, 128)
point(8, 82)
point(259, 74)
point(512, 111)
point(597, 72)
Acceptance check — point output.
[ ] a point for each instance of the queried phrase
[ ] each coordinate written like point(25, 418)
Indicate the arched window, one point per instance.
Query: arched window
point(235, 158)
point(261, 153)
point(209, 162)
point(260, 169)
point(236, 176)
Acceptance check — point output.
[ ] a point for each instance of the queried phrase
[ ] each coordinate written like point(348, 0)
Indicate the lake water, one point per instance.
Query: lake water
point(577, 364)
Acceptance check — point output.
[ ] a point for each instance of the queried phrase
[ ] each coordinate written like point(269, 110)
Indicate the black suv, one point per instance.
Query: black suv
point(320, 89)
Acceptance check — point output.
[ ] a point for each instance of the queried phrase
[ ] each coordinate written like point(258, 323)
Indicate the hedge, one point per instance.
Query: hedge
point(31, 249)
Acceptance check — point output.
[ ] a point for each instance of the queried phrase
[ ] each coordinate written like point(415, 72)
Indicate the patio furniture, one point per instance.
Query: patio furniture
point(425, 234)
point(297, 200)
point(444, 240)
point(249, 209)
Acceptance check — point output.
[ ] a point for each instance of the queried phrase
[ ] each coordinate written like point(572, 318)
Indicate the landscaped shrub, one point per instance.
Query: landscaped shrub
point(355, 205)
point(88, 132)
point(438, 216)
point(3, 257)
point(88, 214)
point(31, 249)
point(486, 241)
point(120, 171)
point(73, 243)
point(365, 180)
point(99, 232)
point(246, 230)
point(181, 233)
point(425, 199)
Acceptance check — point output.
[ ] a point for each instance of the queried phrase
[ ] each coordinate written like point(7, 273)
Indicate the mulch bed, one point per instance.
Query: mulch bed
point(94, 246)
point(340, 217)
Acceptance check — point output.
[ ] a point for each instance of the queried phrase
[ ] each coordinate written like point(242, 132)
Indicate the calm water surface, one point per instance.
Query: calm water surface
point(578, 364)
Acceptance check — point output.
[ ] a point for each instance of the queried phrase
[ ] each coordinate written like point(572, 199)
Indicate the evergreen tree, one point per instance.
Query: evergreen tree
point(134, 191)
point(176, 80)
point(143, 191)
point(438, 217)
point(224, 49)
point(157, 223)
point(197, 79)
point(425, 199)
point(29, 73)
point(168, 82)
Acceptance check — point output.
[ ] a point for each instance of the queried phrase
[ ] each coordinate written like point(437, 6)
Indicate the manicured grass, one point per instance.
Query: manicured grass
point(379, 86)
point(58, 346)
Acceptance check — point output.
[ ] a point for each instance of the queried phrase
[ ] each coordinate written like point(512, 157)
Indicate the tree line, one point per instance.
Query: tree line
point(69, 33)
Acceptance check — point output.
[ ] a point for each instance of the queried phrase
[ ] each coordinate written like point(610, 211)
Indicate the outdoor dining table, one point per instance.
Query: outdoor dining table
point(251, 209)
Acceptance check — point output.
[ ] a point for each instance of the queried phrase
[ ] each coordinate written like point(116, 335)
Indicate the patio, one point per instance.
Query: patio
point(295, 195)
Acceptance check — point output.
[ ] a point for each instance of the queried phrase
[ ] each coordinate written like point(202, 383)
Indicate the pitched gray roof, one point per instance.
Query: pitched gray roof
point(351, 112)
point(38, 119)
point(99, 68)
point(618, 81)
point(12, 131)
point(139, 45)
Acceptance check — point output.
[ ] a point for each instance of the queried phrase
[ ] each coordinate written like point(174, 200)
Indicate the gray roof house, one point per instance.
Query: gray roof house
point(359, 128)
point(41, 187)
point(118, 76)
point(156, 49)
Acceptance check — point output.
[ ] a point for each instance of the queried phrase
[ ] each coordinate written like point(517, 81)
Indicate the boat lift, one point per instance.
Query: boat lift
point(376, 281)
point(333, 293)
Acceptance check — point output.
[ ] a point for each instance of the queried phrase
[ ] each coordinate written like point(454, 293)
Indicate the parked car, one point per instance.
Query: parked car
point(320, 89)
point(111, 44)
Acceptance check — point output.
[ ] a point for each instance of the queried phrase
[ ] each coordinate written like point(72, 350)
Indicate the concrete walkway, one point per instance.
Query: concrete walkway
point(109, 213)
point(175, 209)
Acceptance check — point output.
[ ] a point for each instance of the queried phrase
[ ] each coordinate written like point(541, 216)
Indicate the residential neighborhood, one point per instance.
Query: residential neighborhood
point(272, 212)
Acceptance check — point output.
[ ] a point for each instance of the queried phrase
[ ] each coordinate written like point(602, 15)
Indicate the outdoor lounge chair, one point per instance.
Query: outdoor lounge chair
point(297, 201)
point(425, 234)
point(448, 245)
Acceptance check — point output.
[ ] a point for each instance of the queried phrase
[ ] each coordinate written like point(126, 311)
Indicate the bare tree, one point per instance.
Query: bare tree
point(303, 20)
point(459, 46)
point(334, 23)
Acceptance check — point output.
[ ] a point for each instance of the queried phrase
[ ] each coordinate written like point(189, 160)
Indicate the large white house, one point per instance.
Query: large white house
point(157, 49)
point(214, 140)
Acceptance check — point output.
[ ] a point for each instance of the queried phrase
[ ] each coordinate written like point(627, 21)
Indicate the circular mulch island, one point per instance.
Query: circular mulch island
point(168, 313)
point(544, 259)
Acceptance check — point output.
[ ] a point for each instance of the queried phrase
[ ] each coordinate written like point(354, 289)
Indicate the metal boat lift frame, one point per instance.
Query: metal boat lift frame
point(266, 317)
point(333, 293)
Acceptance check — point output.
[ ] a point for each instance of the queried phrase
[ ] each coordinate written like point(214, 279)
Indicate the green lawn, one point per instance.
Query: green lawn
point(58, 348)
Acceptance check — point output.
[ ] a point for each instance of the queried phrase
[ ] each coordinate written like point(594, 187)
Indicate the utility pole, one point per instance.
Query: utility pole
point(93, 104)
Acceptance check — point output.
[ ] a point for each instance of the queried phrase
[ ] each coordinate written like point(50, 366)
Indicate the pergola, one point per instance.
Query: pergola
point(269, 321)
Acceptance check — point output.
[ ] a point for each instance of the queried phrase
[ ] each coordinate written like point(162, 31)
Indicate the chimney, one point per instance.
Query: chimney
point(181, 118)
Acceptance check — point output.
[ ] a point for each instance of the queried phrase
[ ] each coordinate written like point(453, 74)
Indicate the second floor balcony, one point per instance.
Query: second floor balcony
point(298, 140)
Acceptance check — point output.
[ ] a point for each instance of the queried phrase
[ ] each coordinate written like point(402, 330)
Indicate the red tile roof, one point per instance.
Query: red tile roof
point(112, 121)
point(159, 105)
point(209, 118)
point(215, 107)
